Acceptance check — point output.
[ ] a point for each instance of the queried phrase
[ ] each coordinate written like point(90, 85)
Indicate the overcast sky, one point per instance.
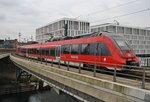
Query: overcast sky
point(25, 16)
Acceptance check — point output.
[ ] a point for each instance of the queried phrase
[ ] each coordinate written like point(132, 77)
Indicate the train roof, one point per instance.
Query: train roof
point(86, 38)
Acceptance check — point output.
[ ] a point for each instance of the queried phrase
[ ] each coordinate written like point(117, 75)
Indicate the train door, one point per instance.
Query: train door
point(58, 51)
point(94, 52)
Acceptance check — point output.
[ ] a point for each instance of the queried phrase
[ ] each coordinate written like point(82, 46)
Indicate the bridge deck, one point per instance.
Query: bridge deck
point(96, 87)
point(132, 82)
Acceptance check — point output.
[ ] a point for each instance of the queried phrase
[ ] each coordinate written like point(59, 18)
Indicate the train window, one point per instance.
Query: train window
point(52, 52)
point(103, 50)
point(46, 51)
point(75, 49)
point(93, 48)
point(66, 49)
point(34, 51)
point(43, 51)
point(29, 51)
point(24, 50)
point(85, 49)
point(38, 51)
point(122, 44)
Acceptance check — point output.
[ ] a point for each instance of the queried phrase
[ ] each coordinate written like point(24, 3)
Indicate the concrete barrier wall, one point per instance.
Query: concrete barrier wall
point(4, 55)
point(98, 88)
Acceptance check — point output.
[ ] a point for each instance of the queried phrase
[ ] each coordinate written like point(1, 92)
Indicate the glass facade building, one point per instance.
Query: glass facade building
point(57, 29)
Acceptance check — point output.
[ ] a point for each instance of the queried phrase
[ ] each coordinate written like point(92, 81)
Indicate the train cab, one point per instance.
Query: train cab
point(125, 50)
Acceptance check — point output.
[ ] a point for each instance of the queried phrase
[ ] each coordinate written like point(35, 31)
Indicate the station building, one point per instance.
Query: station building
point(57, 29)
point(138, 38)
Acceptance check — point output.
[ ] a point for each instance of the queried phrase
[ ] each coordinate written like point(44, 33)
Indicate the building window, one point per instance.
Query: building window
point(148, 32)
point(143, 32)
point(128, 30)
point(136, 31)
point(120, 30)
point(141, 37)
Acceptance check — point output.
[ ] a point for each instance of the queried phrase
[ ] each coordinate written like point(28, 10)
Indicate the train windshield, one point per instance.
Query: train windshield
point(121, 42)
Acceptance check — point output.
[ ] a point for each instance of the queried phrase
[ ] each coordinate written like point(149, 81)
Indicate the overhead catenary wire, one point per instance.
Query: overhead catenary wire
point(120, 5)
point(127, 14)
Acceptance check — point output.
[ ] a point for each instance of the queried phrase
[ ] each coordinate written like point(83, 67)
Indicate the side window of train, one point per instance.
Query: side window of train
point(52, 52)
point(46, 51)
point(24, 50)
point(37, 51)
point(103, 50)
point(75, 49)
point(34, 51)
point(43, 51)
point(66, 49)
point(85, 49)
point(29, 51)
point(93, 48)
point(40, 51)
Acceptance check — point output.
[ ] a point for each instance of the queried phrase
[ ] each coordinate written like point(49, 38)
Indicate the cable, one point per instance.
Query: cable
point(115, 6)
point(123, 15)
point(110, 8)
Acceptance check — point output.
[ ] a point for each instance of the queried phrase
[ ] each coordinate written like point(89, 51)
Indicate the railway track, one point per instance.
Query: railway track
point(134, 76)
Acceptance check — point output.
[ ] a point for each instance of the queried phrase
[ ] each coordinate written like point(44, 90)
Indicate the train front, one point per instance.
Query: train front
point(126, 51)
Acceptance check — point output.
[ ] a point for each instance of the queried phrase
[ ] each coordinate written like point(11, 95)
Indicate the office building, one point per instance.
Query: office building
point(62, 27)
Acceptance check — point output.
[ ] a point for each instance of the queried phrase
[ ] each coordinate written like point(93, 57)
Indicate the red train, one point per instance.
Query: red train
point(106, 50)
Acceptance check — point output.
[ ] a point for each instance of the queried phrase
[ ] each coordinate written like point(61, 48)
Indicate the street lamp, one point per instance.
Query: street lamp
point(116, 23)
